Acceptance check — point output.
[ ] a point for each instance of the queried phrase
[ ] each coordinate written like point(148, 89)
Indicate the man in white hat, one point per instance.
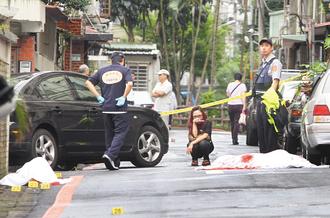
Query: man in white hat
point(162, 94)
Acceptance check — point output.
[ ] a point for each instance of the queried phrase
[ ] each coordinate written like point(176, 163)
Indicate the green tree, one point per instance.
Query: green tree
point(71, 5)
point(132, 13)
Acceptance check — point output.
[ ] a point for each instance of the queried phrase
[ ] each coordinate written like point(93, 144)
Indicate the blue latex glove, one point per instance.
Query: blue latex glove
point(100, 99)
point(120, 101)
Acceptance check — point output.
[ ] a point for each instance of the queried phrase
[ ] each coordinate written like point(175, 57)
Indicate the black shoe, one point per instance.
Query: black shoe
point(109, 163)
point(117, 162)
point(235, 143)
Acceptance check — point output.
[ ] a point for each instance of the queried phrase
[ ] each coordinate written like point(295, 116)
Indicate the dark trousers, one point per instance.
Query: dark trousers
point(267, 137)
point(202, 149)
point(234, 114)
point(116, 128)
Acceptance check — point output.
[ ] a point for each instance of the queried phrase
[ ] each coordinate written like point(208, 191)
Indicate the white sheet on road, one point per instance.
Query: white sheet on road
point(274, 159)
point(37, 169)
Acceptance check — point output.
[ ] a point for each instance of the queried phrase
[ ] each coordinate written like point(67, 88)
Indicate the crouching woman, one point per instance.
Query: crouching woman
point(200, 144)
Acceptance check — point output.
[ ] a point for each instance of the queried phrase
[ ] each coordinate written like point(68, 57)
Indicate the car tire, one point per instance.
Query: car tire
point(149, 150)
point(251, 134)
point(45, 146)
point(303, 150)
point(66, 166)
point(291, 143)
point(313, 158)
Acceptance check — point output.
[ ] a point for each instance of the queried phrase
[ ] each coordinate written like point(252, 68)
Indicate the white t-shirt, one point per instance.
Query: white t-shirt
point(238, 91)
point(163, 103)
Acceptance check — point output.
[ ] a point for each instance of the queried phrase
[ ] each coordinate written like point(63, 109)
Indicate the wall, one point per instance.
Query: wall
point(31, 13)
point(153, 66)
point(74, 53)
point(45, 57)
point(4, 122)
point(26, 50)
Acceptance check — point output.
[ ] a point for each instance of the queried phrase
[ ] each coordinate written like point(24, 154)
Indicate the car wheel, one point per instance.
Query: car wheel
point(251, 134)
point(291, 143)
point(66, 166)
point(303, 149)
point(44, 145)
point(148, 151)
point(313, 158)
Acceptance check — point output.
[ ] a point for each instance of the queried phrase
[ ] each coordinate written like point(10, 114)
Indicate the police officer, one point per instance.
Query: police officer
point(116, 82)
point(268, 76)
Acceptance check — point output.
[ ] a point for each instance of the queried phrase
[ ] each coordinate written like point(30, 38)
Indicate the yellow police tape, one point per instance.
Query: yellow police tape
point(223, 101)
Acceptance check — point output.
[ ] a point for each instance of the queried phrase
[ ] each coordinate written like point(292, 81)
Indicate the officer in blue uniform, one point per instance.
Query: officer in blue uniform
point(268, 76)
point(116, 82)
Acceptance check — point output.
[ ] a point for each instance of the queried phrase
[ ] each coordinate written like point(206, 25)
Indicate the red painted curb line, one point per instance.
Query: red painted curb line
point(63, 198)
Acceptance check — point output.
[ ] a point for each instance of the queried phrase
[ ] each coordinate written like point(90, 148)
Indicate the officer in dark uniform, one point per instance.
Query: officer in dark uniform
point(268, 76)
point(116, 82)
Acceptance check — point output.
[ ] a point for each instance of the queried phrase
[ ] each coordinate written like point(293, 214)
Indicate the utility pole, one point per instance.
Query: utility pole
point(261, 21)
point(251, 31)
point(243, 49)
point(214, 42)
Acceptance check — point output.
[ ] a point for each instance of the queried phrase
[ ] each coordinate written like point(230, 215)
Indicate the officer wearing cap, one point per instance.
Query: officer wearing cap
point(115, 82)
point(268, 76)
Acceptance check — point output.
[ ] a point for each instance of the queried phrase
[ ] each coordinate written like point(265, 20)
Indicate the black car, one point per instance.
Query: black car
point(66, 124)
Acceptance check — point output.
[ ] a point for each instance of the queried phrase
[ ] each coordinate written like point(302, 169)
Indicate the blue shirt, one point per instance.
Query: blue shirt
point(112, 80)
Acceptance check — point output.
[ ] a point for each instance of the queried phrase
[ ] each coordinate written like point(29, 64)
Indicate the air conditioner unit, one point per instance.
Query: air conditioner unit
point(101, 27)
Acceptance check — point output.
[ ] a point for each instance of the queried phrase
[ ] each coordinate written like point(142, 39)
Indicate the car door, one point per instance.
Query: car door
point(93, 118)
point(67, 113)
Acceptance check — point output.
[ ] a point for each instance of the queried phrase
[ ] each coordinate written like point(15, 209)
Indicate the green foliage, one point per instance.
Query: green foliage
point(69, 5)
point(315, 69)
point(225, 74)
point(132, 14)
point(208, 97)
point(327, 42)
point(22, 116)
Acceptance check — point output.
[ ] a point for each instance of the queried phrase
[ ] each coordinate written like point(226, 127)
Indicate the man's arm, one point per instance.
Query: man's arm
point(158, 93)
point(92, 88)
point(276, 70)
point(128, 88)
point(167, 88)
point(275, 84)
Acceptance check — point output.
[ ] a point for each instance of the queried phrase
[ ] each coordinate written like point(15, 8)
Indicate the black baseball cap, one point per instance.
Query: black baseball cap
point(117, 56)
point(266, 40)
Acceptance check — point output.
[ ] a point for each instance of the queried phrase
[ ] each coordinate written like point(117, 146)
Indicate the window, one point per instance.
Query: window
point(55, 88)
point(141, 76)
point(83, 93)
point(105, 8)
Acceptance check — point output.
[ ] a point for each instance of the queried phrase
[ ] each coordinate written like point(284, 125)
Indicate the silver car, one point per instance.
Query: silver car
point(315, 125)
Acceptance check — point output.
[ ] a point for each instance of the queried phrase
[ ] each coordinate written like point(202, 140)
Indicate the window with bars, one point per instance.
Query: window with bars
point(105, 8)
point(141, 76)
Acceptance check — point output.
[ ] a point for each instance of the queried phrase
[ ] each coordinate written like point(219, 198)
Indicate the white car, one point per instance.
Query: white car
point(315, 124)
point(140, 98)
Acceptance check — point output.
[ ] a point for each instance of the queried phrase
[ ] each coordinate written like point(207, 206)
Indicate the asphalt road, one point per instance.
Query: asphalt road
point(175, 189)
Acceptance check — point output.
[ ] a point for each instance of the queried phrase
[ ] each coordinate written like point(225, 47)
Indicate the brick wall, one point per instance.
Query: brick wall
point(75, 28)
point(3, 147)
point(26, 50)
point(4, 124)
point(78, 48)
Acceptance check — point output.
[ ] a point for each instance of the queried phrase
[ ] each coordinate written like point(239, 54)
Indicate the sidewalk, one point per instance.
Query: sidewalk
point(17, 204)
